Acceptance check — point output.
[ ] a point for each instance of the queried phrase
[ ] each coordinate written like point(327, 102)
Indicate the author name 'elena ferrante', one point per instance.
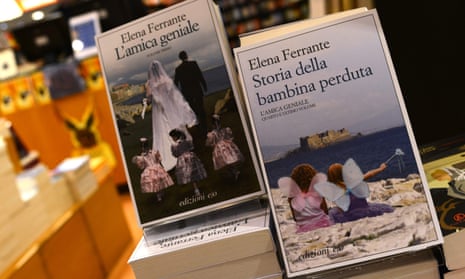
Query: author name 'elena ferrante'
point(286, 54)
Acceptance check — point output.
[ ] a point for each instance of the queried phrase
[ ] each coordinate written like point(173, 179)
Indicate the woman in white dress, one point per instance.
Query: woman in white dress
point(169, 111)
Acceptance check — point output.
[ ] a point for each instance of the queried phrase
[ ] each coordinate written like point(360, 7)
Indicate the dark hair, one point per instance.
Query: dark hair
point(303, 175)
point(183, 55)
point(335, 175)
point(177, 134)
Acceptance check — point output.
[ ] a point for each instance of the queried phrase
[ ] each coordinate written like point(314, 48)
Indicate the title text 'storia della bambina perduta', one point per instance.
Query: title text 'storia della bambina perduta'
point(299, 89)
point(312, 64)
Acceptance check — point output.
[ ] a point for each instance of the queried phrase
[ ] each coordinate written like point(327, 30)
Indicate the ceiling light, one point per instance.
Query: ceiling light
point(37, 15)
point(29, 5)
point(10, 10)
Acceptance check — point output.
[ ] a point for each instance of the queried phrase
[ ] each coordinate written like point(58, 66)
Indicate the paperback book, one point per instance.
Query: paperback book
point(446, 179)
point(181, 126)
point(235, 248)
point(340, 161)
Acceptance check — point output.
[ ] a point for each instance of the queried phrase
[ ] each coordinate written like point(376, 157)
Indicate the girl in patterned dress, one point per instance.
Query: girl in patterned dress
point(226, 154)
point(189, 168)
point(154, 178)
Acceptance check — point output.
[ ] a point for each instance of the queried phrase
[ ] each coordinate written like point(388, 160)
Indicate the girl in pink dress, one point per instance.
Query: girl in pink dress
point(226, 154)
point(189, 168)
point(308, 208)
point(154, 178)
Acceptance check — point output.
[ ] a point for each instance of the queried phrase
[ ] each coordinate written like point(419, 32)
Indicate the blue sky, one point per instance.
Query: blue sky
point(365, 105)
point(200, 46)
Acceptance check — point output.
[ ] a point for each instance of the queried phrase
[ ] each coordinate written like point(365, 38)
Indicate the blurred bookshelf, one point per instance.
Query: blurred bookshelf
point(241, 16)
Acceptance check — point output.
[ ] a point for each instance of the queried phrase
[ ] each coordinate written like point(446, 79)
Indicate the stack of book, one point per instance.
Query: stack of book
point(8, 189)
point(9, 150)
point(79, 176)
point(32, 200)
point(38, 203)
point(11, 203)
point(236, 248)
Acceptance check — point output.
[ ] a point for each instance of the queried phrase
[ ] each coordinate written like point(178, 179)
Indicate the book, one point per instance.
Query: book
point(8, 62)
point(446, 179)
point(340, 161)
point(449, 210)
point(22, 92)
point(456, 274)
point(421, 265)
point(445, 173)
point(179, 117)
point(442, 169)
point(317, 8)
point(83, 28)
point(7, 106)
point(80, 178)
point(453, 250)
point(264, 266)
point(8, 181)
point(224, 246)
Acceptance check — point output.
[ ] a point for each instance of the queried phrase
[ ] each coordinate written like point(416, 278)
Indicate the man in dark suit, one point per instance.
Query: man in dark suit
point(189, 78)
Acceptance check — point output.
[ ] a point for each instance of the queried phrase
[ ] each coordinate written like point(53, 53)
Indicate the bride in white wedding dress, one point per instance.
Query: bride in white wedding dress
point(169, 111)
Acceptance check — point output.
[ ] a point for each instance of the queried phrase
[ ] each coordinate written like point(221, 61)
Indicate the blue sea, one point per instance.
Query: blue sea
point(217, 80)
point(368, 151)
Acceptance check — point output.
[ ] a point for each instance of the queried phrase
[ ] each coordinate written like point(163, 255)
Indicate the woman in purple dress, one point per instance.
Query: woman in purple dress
point(359, 207)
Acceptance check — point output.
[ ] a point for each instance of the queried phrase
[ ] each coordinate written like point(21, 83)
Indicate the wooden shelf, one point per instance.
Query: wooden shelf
point(85, 242)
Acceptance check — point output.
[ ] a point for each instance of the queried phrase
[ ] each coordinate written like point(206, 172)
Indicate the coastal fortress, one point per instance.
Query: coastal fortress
point(324, 139)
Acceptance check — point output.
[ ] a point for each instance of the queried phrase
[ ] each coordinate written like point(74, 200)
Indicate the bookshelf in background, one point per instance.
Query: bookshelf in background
point(240, 16)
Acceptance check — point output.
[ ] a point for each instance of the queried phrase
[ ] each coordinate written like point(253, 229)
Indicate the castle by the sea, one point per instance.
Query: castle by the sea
point(324, 139)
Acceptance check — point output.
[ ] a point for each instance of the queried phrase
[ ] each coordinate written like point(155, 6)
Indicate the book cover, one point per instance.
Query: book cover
point(446, 180)
point(181, 127)
point(22, 88)
point(341, 164)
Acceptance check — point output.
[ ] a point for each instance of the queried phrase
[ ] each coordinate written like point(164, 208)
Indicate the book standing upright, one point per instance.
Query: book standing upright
point(180, 122)
point(189, 158)
point(341, 164)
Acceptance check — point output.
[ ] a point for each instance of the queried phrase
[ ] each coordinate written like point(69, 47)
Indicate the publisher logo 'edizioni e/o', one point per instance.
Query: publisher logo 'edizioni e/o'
point(310, 254)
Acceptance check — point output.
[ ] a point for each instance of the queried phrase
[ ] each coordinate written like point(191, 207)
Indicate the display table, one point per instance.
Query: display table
point(85, 242)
